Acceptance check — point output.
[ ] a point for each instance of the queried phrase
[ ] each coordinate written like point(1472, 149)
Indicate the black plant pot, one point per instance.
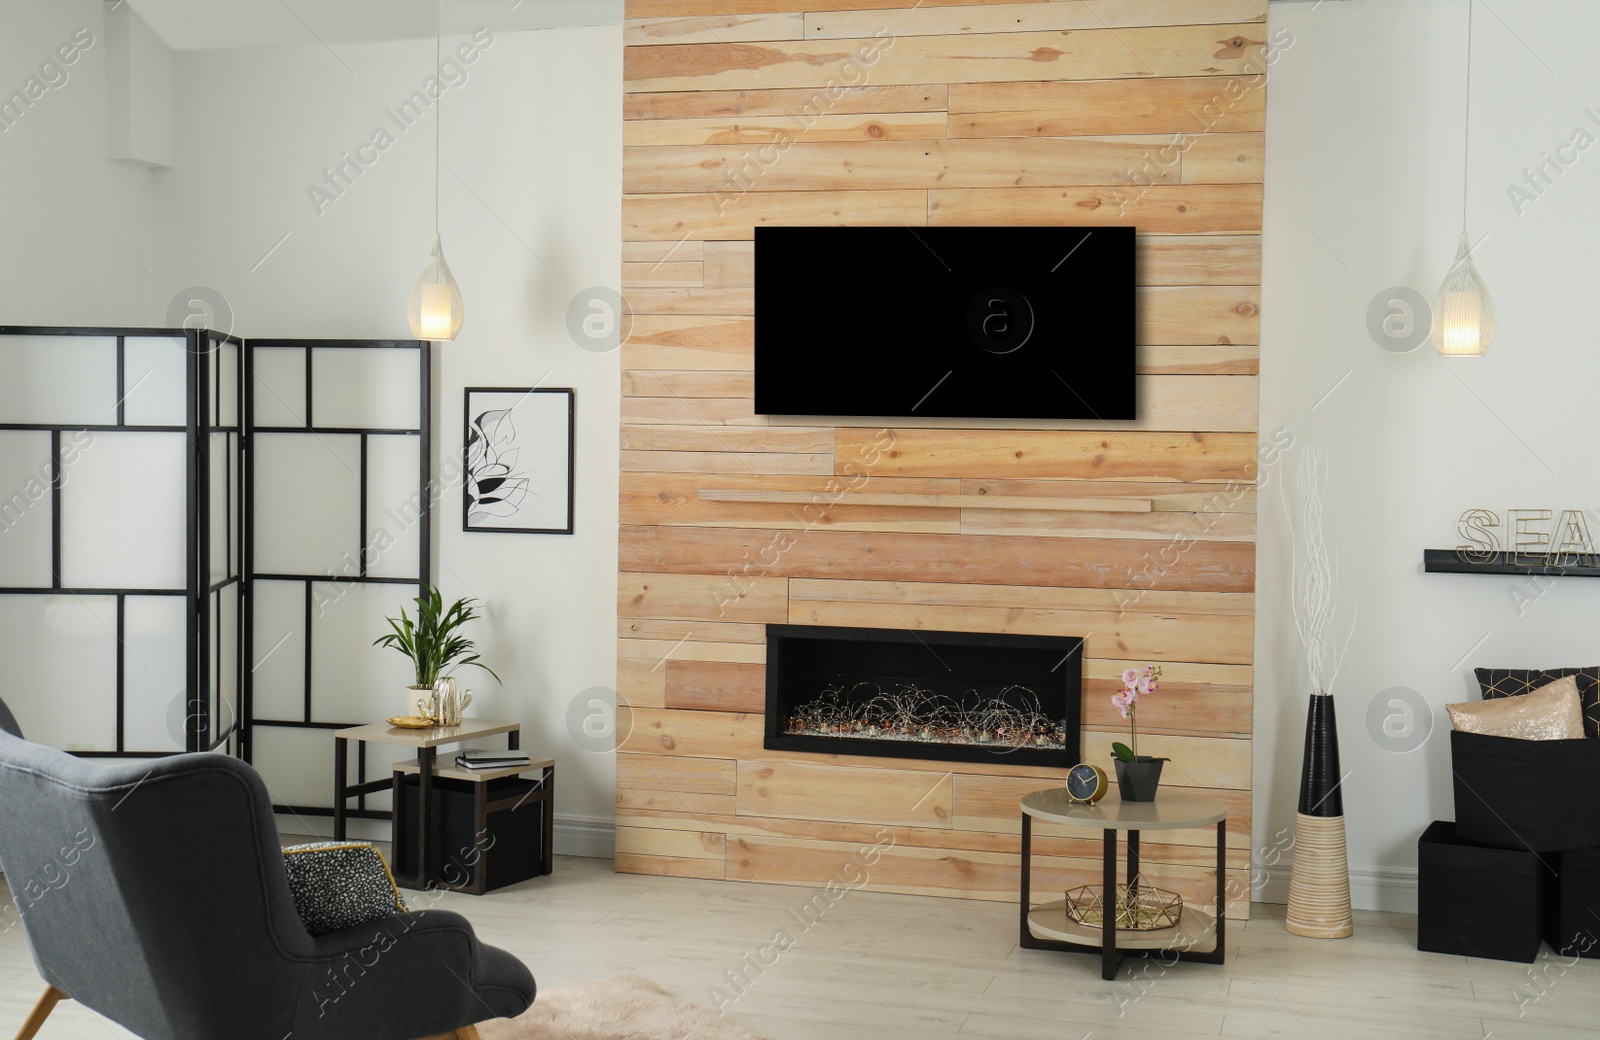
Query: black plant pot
point(1138, 780)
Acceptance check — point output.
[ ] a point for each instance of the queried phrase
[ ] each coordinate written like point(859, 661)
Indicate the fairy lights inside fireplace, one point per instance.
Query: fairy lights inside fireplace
point(864, 710)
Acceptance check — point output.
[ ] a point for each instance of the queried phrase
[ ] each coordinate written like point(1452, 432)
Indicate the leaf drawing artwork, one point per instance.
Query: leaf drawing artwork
point(517, 456)
point(494, 487)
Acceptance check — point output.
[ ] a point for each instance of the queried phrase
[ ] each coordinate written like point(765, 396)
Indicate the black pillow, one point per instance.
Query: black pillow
point(339, 885)
point(1514, 682)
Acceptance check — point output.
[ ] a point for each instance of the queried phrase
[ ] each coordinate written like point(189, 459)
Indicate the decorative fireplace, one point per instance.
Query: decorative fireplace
point(952, 696)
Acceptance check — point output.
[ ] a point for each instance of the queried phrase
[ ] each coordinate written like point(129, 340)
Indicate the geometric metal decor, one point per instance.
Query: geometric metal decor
point(1137, 906)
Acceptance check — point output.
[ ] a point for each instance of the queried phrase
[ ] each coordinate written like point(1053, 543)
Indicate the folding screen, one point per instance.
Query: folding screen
point(217, 640)
point(119, 577)
point(200, 537)
point(337, 474)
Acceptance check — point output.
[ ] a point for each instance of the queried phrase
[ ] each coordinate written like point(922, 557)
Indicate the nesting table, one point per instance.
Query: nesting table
point(1198, 935)
point(426, 769)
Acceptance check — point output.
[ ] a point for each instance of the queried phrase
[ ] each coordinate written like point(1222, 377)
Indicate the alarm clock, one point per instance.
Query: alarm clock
point(1086, 783)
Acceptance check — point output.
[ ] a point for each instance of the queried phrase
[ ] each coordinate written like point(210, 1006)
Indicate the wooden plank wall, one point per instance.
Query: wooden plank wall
point(1139, 536)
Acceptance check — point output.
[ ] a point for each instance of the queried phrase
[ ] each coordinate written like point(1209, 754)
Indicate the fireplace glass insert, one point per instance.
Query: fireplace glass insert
point(952, 696)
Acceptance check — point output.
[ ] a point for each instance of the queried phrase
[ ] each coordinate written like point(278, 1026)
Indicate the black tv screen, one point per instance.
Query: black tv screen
point(949, 322)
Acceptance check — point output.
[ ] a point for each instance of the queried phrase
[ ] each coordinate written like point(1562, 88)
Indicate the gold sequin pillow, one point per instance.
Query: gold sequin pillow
point(1551, 712)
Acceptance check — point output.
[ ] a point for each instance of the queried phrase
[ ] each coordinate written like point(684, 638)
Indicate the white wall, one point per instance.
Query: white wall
point(76, 240)
point(1364, 173)
point(530, 216)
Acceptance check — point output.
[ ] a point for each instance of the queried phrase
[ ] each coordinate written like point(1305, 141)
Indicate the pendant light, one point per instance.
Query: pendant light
point(1463, 314)
point(436, 310)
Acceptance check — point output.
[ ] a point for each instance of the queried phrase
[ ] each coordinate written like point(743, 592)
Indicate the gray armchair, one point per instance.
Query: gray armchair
point(154, 892)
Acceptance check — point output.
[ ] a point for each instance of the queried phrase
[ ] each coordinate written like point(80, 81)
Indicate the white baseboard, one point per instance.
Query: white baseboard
point(574, 835)
point(1389, 889)
point(586, 837)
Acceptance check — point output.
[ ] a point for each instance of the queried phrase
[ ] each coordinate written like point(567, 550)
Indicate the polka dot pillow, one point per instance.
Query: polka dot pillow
point(340, 884)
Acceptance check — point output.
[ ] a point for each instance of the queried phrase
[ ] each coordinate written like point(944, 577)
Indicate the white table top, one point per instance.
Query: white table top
point(1172, 810)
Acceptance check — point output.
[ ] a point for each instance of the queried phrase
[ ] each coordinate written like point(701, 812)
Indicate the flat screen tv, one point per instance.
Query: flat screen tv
point(948, 322)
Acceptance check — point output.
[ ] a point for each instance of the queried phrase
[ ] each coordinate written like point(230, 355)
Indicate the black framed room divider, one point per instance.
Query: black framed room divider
point(118, 569)
point(319, 591)
point(160, 490)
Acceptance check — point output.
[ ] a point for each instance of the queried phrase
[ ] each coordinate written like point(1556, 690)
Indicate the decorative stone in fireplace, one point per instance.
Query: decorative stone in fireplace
point(952, 696)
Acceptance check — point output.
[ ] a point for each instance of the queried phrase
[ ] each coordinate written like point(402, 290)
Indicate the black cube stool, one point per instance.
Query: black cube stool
point(1572, 911)
point(490, 828)
point(1526, 794)
point(1476, 900)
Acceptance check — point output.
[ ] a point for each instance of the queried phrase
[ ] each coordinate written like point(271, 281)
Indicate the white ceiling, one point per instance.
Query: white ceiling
point(206, 24)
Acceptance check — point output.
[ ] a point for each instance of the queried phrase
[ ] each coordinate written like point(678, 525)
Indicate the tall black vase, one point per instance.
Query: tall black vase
point(1319, 881)
point(1319, 771)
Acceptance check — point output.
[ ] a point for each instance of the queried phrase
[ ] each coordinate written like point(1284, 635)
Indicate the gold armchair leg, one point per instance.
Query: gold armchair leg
point(41, 1011)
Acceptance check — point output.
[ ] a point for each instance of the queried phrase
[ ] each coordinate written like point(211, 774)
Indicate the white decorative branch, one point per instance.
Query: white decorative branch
point(1314, 579)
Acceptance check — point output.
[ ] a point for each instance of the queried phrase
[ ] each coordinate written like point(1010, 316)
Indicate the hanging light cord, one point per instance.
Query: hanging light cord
point(1466, 135)
point(439, 111)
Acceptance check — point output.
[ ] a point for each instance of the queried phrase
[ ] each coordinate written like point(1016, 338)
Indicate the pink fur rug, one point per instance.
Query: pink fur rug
point(624, 1008)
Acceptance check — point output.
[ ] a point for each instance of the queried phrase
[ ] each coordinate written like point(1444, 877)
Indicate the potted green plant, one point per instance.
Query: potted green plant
point(1138, 775)
point(433, 642)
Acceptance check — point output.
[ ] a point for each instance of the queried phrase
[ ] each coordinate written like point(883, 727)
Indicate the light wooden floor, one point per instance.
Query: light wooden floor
point(888, 967)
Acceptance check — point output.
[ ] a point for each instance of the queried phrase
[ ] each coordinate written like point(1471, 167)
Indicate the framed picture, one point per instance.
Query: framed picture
point(518, 456)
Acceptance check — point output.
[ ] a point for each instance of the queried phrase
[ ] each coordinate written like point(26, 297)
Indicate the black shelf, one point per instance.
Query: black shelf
point(1565, 565)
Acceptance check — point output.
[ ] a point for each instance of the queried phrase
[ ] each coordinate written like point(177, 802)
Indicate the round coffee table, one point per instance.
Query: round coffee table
point(1198, 935)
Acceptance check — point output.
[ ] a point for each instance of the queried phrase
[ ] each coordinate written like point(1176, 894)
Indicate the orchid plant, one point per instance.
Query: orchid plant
point(1135, 684)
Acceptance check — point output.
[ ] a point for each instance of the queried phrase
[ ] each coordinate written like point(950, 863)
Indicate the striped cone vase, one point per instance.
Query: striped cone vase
point(1319, 880)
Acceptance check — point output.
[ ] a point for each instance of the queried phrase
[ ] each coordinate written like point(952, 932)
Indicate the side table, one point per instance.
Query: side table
point(1198, 935)
point(427, 742)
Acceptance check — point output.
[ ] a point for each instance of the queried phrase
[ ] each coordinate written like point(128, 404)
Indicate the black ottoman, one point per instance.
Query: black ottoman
point(1527, 794)
point(1476, 900)
point(1571, 926)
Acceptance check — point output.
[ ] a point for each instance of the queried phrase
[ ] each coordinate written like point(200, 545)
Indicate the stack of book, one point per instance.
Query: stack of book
point(479, 759)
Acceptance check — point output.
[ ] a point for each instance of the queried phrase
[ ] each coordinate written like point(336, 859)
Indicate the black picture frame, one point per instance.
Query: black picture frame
point(545, 477)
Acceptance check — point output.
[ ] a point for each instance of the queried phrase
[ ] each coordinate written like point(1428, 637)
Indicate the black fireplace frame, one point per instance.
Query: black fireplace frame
point(1070, 665)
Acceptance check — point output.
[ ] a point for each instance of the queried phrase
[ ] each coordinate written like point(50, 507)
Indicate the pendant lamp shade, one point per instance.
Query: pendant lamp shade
point(1463, 313)
point(436, 310)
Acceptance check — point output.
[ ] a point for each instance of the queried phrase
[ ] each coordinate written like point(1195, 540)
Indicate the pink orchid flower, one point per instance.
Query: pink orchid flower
point(1135, 683)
